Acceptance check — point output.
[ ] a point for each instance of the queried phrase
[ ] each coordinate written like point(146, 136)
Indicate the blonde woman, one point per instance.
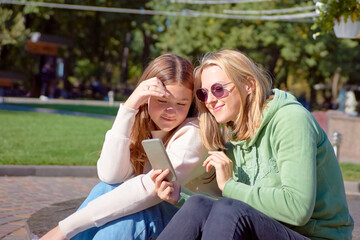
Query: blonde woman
point(275, 166)
point(124, 205)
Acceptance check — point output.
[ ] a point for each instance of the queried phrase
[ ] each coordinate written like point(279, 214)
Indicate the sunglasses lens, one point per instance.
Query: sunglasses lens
point(201, 94)
point(217, 90)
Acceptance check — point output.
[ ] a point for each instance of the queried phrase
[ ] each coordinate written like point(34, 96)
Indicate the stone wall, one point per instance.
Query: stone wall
point(348, 127)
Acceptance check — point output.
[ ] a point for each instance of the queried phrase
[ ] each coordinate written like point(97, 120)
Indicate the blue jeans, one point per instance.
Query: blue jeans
point(146, 224)
point(202, 217)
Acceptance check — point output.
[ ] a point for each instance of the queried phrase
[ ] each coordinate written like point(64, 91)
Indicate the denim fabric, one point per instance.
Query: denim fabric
point(202, 217)
point(146, 224)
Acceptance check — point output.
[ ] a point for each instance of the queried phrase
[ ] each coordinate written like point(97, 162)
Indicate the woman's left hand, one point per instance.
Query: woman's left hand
point(223, 167)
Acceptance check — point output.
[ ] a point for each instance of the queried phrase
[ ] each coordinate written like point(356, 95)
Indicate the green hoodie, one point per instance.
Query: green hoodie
point(289, 171)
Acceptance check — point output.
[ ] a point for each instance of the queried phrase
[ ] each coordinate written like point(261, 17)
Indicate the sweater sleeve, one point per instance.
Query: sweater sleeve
point(137, 193)
point(294, 143)
point(114, 164)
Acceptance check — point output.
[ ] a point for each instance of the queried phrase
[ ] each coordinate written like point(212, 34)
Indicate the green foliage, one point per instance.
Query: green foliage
point(286, 49)
point(50, 139)
point(269, 43)
point(12, 27)
point(84, 68)
point(333, 10)
point(13, 35)
point(98, 39)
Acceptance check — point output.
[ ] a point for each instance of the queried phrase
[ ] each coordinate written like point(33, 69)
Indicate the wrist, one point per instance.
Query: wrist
point(131, 105)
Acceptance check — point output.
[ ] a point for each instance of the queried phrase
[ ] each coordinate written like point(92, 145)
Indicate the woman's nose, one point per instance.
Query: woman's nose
point(210, 98)
point(170, 110)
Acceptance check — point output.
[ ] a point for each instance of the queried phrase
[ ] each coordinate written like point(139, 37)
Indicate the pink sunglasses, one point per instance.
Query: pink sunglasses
point(216, 89)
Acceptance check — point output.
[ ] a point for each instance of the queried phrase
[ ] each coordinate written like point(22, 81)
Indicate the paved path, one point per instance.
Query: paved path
point(22, 196)
point(354, 207)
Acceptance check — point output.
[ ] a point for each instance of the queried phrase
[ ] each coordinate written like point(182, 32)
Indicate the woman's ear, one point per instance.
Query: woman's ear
point(250, 85)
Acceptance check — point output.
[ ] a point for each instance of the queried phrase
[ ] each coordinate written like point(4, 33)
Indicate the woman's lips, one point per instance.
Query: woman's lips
point(168, 119)
point(218, 108)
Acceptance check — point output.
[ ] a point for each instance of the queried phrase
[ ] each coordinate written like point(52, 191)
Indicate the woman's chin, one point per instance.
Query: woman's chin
point(221, 119)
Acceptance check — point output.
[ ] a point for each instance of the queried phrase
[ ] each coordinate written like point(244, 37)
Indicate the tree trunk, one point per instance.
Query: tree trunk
point(124, 65)
point(146, 49)
point(275, 54)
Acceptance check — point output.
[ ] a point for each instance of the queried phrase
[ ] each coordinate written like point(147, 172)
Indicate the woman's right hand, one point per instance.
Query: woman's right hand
point(167, 191)
point(54, 234)
point(150, 87)
point(223, 167)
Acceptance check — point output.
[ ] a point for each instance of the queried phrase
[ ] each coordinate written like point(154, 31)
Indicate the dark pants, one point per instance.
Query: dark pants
point(202, 217)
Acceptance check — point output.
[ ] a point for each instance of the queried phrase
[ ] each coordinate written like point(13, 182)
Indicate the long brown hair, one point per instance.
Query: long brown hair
point(170, 69)
point(240, 70)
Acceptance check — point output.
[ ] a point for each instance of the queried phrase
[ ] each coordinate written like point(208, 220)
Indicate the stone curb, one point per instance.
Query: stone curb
point(90, 171)
point(352, 188)
point(48, 171)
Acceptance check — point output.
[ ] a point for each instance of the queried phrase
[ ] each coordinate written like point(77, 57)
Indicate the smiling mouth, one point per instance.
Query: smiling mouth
point(215, 109)
point(168, 119)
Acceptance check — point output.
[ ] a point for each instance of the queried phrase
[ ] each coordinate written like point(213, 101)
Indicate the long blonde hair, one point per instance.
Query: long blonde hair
point(170, 69)
point(240, 70)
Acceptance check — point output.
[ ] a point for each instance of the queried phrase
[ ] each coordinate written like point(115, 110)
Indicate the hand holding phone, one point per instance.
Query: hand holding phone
point(167, 191)
point(158, 157)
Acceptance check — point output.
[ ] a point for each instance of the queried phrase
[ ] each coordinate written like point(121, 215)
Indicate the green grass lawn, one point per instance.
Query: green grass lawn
point(104, 110)
point(350, 171)
point(30, 138)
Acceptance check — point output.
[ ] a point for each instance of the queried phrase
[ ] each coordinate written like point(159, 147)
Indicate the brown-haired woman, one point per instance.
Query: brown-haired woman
point(124, 205)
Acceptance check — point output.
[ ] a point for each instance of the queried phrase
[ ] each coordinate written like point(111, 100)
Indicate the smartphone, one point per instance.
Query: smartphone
point(158, 157)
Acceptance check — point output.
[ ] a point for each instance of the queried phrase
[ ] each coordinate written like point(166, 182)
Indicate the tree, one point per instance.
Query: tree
point(98, 39)
point(286, 49)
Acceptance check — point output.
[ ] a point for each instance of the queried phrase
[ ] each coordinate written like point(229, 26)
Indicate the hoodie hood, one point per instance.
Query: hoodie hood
point(281, 99)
